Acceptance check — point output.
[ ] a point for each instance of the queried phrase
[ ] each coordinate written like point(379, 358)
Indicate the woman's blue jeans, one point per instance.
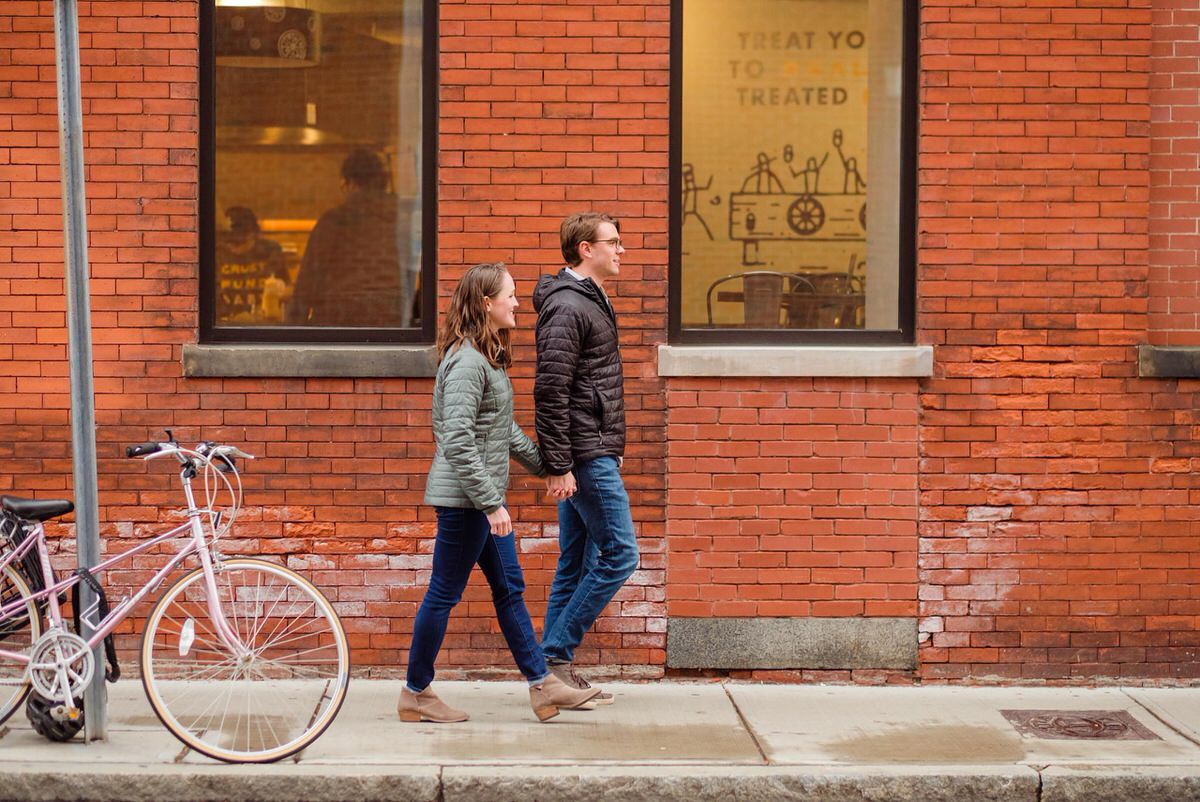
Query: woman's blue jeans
point(464, 538)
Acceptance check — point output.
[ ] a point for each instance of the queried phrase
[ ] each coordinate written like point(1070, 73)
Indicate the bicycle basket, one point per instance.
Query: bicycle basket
point(12, 535)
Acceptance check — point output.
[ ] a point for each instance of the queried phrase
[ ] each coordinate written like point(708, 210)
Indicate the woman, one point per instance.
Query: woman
point(475, 433)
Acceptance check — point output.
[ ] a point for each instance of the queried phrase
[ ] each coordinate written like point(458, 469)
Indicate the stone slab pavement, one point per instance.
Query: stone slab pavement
point(692, 741)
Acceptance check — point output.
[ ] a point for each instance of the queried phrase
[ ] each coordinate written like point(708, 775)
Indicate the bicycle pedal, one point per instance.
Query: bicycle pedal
point(65, 713)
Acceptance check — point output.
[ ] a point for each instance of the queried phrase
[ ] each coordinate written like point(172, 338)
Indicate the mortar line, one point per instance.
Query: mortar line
point(1182, 734)
point(746, 724)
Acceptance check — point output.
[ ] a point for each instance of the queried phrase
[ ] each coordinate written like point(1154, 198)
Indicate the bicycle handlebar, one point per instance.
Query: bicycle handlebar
point(205, 449)
point(143, 449)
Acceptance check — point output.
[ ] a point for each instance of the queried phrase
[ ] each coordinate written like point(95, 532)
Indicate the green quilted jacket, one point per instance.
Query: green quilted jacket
point(475, 434)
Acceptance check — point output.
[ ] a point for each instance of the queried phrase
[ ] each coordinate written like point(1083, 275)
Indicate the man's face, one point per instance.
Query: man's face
point(242, 241)
point(602, 255)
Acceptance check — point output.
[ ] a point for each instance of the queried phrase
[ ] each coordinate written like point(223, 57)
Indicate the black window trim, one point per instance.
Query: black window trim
point(905, 334)
point(209, 332)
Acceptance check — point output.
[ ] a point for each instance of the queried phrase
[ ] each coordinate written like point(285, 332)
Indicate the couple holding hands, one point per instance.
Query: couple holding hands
point(580, 423)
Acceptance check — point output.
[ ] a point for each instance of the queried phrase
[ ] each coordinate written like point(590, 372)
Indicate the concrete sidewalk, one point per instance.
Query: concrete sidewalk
point(665, 740)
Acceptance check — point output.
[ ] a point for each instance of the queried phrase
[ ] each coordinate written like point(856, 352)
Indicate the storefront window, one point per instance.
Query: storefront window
point(315, 170)
point(790, 178)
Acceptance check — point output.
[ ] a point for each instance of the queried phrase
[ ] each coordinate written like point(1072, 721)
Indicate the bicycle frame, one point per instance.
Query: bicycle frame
point(100, 630)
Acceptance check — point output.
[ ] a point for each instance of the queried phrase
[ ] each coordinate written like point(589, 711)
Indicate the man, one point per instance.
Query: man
point(247, 263)
point(580, 421)
point(353, 268)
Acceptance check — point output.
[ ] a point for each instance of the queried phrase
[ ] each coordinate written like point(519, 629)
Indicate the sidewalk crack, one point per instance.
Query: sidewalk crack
point(1181, 733)
point(746, 724)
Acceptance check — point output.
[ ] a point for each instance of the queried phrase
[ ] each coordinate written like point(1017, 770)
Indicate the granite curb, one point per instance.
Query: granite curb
point(481, 783)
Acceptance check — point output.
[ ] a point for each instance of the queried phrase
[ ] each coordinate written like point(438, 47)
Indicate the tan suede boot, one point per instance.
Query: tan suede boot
point(426, 706)
point(552, 693)
point(567, 673)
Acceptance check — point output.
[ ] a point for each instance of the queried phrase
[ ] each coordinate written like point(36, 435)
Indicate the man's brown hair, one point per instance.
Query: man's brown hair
point(581, 227)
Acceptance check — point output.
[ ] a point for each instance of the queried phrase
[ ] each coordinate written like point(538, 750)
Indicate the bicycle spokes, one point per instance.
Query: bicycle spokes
point(270, 696)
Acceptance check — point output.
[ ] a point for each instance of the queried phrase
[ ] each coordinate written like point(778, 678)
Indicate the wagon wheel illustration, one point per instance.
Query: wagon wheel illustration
point(862, 217)
point(806, 215)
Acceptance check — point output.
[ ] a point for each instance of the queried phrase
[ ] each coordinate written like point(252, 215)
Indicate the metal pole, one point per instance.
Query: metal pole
point(79, 335)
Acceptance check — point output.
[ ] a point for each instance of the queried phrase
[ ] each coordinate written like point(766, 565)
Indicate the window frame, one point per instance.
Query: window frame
point(677, 334)
point(209, 332)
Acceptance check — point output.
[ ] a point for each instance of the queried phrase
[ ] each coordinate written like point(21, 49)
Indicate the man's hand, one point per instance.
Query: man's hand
point(500, 521)
point(561, 488)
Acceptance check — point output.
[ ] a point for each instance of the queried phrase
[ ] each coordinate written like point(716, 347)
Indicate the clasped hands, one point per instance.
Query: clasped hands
point(561, 488)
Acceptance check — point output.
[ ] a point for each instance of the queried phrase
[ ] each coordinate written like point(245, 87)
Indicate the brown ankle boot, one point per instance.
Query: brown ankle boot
point(425, 706)
point(552, 693)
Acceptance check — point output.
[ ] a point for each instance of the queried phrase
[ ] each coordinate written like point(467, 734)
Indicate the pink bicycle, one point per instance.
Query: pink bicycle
point(241, 659)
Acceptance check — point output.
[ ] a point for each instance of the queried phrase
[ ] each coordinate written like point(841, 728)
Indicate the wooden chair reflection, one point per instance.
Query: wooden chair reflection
point(810, 300)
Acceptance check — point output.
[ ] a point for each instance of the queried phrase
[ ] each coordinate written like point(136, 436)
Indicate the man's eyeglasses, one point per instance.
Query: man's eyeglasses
point(615, 241)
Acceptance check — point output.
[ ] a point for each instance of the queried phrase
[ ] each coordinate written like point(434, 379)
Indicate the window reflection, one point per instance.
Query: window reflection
point(318, 163)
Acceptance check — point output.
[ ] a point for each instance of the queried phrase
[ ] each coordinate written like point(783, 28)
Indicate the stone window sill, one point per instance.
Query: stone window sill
point(777, 361)
point(1163, 362)
point(310, 361)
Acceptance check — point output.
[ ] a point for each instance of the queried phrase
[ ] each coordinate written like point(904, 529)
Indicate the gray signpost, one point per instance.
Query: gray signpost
point(79, 334)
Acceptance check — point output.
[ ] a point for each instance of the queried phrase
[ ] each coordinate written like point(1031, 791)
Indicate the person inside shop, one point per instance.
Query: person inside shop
point(251, 275)
point(351, 273)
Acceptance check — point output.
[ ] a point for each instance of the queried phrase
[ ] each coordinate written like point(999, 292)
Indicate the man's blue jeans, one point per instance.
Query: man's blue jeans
point(598, 553)
point(464, 538)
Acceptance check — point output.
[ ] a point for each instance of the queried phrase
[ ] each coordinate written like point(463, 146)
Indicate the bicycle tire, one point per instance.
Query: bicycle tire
point(22, 630)
point(293, 667)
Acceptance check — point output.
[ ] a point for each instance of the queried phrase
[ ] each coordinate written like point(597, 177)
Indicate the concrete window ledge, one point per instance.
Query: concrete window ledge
point(310, 361)
point(800, 360)
point(1168, 362)
point(792, 643)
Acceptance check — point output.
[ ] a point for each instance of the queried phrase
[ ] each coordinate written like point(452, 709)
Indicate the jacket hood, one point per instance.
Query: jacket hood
point(563, 282)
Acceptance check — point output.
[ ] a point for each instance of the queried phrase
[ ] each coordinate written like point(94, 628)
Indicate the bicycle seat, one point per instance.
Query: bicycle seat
point(35, 509)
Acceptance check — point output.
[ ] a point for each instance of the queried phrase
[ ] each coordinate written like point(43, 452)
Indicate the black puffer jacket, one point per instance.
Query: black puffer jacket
point(580, 387)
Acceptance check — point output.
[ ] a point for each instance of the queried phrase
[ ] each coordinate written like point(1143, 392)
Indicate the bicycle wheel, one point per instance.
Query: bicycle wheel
point(256, 707)
point(18, 632)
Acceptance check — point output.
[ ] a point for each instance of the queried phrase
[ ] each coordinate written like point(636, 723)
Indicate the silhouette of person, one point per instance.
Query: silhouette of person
point(246, 262)
point(351, 274)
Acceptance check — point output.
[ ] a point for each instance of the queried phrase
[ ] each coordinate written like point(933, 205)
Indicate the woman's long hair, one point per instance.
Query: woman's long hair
point(468, 319)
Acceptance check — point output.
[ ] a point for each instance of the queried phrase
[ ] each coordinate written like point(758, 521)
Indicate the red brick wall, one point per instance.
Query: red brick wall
point(1057, 537)
point(792, 497)
point(1174, 303)
point(534, 124)
point(1044, 488)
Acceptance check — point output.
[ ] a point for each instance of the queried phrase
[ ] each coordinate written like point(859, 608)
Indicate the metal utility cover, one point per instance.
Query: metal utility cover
point(1062, 725)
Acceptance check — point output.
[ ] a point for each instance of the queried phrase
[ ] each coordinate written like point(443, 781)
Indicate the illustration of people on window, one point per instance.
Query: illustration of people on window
point(764, 180)
point(691, 194)
point(852, 181)
point(811, 174)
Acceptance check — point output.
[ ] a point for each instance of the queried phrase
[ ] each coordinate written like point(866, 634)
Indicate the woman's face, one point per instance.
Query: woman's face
point(502, 307)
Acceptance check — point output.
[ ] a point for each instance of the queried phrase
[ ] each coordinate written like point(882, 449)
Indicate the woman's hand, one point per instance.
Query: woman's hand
point(500, 522)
